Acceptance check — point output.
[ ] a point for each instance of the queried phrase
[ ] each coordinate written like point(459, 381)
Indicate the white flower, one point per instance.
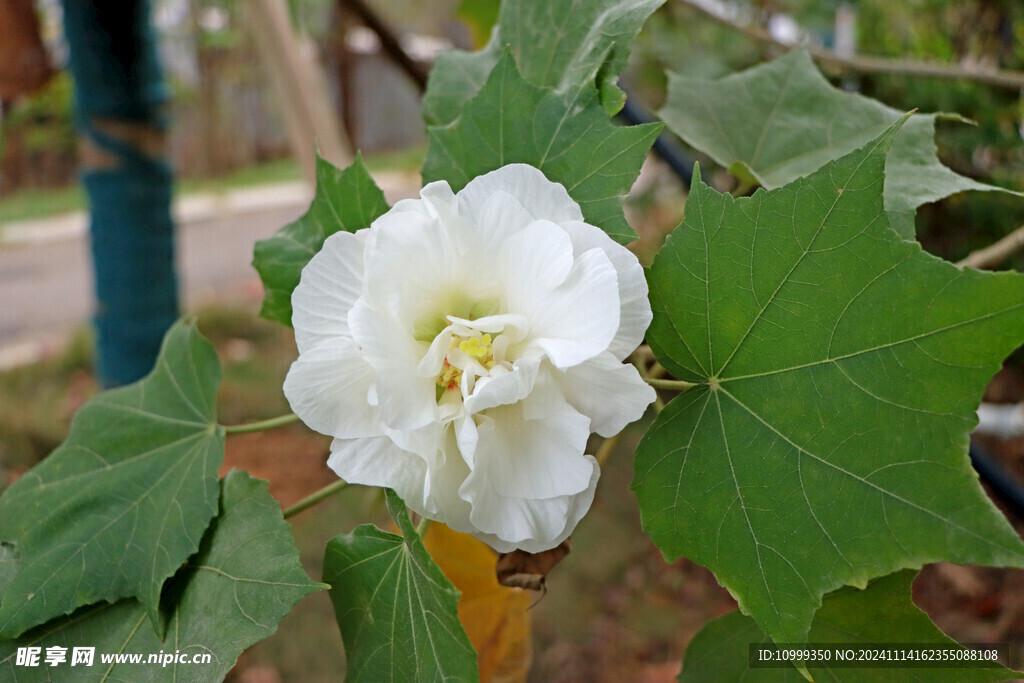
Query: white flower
point(462, 349)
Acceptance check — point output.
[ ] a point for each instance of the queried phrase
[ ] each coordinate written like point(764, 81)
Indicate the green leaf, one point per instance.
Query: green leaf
point(915, 176)
point(346, 200)
point(397, 612)
point(839, 368)
point(779, 121)
point(116, 509)
point(570, 139)
point(881, 613)
point(8, 564)
point(245, 578)
point(560, 45)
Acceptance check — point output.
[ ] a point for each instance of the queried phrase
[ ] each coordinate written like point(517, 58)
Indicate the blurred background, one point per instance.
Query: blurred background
point(241, 153)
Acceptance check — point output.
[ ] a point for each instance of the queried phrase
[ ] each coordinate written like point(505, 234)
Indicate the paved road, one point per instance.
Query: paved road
point(46, 288)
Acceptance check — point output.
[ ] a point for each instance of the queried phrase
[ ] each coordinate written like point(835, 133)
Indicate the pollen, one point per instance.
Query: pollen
point(450, 376)
point(480, 348)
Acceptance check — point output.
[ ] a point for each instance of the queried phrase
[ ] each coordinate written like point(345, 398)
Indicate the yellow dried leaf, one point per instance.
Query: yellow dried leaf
point(495, 617)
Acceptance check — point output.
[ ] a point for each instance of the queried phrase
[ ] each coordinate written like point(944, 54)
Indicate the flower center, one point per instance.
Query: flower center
point(478, 351)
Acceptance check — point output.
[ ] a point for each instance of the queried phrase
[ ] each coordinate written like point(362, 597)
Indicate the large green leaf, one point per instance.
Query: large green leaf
point(245, 578)
point(838, 371)
point(346, 200)
point(779, 121)
point(8, 564)
point(559, 45)
point(116, 509)
point(397, 612)
point(880, 613)
point(566, 136)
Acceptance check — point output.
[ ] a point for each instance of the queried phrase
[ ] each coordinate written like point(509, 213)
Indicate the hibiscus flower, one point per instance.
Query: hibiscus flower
point(463, 348)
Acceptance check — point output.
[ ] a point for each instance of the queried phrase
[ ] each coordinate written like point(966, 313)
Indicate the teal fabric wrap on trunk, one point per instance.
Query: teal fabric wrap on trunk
point(118, 79)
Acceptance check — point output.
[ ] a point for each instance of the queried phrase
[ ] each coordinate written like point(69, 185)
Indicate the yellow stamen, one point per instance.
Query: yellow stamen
point(450, 376)
point(478, 347)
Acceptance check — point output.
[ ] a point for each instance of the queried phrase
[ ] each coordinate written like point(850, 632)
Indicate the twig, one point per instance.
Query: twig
point(262, 424)
point(670, 384)
point(995, 254)
point(657, 370)
point(315, 497)
point(388, 40)
point(644, 353)
point(1013, 80)
point(640, 358)
point(606, 448)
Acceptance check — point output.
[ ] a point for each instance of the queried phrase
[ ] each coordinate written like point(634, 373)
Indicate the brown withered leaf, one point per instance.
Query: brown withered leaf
point(520, 569)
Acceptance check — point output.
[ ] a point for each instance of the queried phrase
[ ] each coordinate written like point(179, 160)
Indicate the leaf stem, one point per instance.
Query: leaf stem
point(670, 384)
point(652, 374)
point(315, 497)
point(279, 421)
point(422, 527)
point(659, 405)
point(742, 189)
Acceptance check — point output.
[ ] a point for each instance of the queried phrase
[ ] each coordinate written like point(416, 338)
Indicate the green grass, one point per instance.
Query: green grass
point(410, 158)
point(28, 204)
point(278, 171)
point(34, 203)
point(38, 401)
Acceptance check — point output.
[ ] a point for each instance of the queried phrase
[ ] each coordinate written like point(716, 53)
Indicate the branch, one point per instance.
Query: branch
point(995, 254)
point(315, 497)
point(1013, 80)
point(262, 424)
point(670, 384)
point(388, 40)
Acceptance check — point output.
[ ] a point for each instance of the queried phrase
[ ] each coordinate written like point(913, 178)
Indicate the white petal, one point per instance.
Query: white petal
point(467, 438)
point(328, 287)
point(532, 525)
point(533, 263)
point(425, 441)
point(634, 306)
point(436, 201)
point(433, 361)
point(410, 265)
point(611, 394)
point(533, 458)
point(483, 228)
point(506, 323)
point(504, 389)
point(378, 461)
point(542, 198)
point(442, 489)
point(579, 319)
point(439, 199)
point(327, 388)
point(406, 400)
